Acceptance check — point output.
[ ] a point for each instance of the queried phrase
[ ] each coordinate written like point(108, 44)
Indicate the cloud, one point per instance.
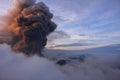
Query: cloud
point(4, 35)
point(110, 35)
point(29, 24)
point(61, 21)
point(1, 28)
point(18, 67)
point(80, 37)
point(61, 40)
point(58, 34)
point(72, 45)
point(94, 67)
point(55, 37)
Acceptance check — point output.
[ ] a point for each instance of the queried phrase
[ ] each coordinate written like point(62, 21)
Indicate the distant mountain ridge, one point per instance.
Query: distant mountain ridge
point(111, 49)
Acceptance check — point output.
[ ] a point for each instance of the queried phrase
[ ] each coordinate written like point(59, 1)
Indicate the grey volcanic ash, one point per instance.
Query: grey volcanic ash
point(29, 23)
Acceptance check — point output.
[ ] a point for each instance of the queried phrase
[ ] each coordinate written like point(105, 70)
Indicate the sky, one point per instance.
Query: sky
point(81, 24)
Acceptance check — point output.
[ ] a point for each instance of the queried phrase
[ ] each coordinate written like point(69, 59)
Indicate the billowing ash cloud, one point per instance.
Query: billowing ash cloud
point(29, 23)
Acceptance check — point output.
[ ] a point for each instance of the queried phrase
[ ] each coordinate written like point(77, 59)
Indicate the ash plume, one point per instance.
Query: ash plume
point(29, 23)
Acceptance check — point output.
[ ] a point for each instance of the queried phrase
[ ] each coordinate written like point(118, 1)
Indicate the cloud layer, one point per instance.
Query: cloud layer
point(18, 67)
point(94, 67)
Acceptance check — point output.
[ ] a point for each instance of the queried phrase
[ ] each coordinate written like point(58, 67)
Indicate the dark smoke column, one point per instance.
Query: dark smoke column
point(30, 23)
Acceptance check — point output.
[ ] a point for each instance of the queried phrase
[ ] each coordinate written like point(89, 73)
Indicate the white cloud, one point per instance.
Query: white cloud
point(58, 34)
point(79, 37)
point(97, 67)
point(15, 66)
point(18, 67)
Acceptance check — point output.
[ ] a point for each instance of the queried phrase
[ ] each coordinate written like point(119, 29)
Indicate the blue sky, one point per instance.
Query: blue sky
point(81, 23)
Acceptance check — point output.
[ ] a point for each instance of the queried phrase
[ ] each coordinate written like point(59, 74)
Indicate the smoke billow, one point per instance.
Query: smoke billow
point(29, 23)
